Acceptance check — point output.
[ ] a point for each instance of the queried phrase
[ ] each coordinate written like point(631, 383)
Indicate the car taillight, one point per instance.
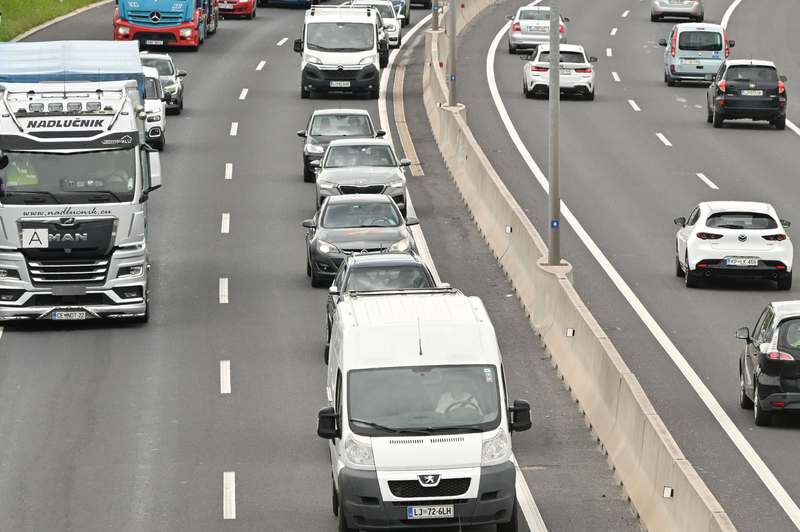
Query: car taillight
point(538, 69)
point(561, 28)
point(727, 48)
point(779, 355)
point(674, 40)
point(775, 238)
point(708, 236)
point(515, 27)
point(722, 85)
point(584, 70)
point(780, 87)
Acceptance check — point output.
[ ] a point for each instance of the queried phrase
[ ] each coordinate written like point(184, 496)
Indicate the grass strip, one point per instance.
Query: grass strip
point(21, 15)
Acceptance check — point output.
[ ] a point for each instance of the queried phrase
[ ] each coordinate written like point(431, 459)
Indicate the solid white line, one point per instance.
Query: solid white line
point(752, 457)
point(792, 126)
point(224, 376)
point(280, 43)
point(234, 128)
point(223, 290)
point(728, 13)
point(614, 31)
point(229, 495)
point(608, 52)
point(226, 223)
point(707, 181)
point(663, 139)
point(243, 95)
point(527, 503)
point(625, 14)
point(633, 104)
point(261, 65)
point(616, 76)
point(228, 170)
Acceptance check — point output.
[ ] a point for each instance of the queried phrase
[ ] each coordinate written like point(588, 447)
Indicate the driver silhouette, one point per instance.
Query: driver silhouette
point(456, 394)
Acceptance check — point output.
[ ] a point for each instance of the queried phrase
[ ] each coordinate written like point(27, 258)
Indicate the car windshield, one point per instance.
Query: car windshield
point(789, 336)
point(341, 36)
point(701, 41)
point(150, 89)
point(534, 15)
point(423, 399)
point(163, 66)
point(343, 156)
point(85, 177)
point(370, 278)
point(366, 214)
point(741, 220)
point(564, 57)
point(341, 126)
point(752, 73)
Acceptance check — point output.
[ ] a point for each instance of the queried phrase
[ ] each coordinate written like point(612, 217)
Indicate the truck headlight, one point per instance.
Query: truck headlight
point(6, 273)
point(313, 60)
point(130, 271)
point(154, 118)
point(123, 30)
point(397, 183)
point(400, 245)
point(495, 448)
point(358, 453)
point(326, 185)
point(314, 148)
point(325, 248)
point(186, 32)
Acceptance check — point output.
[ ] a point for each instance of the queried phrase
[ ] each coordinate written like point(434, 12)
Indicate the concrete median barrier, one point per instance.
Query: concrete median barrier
point(663, 487)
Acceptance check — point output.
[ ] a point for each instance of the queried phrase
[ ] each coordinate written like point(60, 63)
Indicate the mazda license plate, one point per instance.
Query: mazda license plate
point(154, 43)
point(430, 512)
point(747, 92)
point(340, 83)
point(69, 315)
point(742, 262)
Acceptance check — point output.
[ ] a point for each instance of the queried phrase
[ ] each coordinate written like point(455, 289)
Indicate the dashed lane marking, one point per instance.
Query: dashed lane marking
point(280, 43)
point(224, 376)
point(223, 290)
point(663, 139)
point(243, 95)
point(234, 128)
point(633, 104)
point(616, 76)
point(625, 14)
point(229, 495)
point(614, 31)
point(707, 181)
point(261, 65)
point(228, 170)
point(226, 223)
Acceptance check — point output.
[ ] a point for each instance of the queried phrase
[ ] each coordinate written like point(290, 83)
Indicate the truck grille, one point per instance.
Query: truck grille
point(368, 189)
point(143, 36)
point(412, 489)
point(142, 18)
point(68, 271)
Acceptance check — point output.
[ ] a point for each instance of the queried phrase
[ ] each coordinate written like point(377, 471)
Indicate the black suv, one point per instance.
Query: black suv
point(745, 88)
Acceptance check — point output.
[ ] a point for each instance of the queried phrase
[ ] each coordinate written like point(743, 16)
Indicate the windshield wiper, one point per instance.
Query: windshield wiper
point(46, 193)
point(386, 429)
point(731, 226)
point(320, 47)
point(468, 428)
point(112, 194)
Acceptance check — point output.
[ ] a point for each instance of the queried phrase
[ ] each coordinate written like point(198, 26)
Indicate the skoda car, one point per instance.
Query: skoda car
point(692, 9)
point(733, 238)
point(361, 166)
point(530, 27)
point(745, 88)
point(769, 366)
point(171, 78)
point(576, 74)
point(350, 224)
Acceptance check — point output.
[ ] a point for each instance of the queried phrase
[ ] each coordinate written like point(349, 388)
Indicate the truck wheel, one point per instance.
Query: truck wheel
point(511, 525)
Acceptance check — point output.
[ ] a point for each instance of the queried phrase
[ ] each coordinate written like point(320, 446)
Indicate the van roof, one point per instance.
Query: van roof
point(437, 327)
point(339, 12)
point(694, 26)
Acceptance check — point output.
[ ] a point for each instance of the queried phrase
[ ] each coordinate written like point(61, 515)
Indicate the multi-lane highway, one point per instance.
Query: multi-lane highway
point(204, 419)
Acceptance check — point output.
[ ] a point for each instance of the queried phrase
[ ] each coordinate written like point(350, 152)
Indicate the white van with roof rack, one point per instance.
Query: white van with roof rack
point(417, 417)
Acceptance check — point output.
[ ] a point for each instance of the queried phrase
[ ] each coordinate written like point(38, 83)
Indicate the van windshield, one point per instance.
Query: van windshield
point(341, 36)
point(432, 399)
point(700, 41)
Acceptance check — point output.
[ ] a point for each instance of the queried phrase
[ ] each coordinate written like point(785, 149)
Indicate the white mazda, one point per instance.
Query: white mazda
point(733, 238)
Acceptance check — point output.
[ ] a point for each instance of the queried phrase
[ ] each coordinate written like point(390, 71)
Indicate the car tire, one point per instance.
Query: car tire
point(159, 146)
point(407, 20)
point(308, 267)
point(744, 401)
point(653, 18)
point(763, 418)
point(717, 118)
point(374, 95)
point(399, 41)
point(678, 268)
point(525, 88)
point(343, 526)
point(309, 176)
point(316, 282)
point(334, 499)
point(589, 96)
point(180, 107)
point(692, 281)
point(785, 283)
point(709, 114)
point(780, 123)
point(511, 49)
point(700, 18)
point(513, 524)
point(304, 94)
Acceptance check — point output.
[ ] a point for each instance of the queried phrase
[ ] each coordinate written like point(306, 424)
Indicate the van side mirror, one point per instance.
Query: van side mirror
point(786, 223)
point(412, 221)
point(383, 46)
point(731, 44)
point(298, 45)
point(743, 334)
point(302, 134)
point(662, 42)
point(782, 78)
point(380, 133)
point(520, 415)
point(326, 423)
point(680, 221)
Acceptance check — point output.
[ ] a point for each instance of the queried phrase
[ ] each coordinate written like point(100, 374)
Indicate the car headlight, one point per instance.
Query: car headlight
point(367, 60)
point(314, 148)
point(172, 89)
point(358, 453)
point(400, 245)
point(123, 30)
point(130, 271)
point(495, 448)
point(390, 27)
point(325, 247)
point(154, 118)
point(397, 183)
point(313, 60)
point(327, 185)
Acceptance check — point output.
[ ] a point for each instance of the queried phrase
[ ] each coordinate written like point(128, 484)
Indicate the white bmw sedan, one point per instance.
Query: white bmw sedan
point(576, 75)
point(733, 238)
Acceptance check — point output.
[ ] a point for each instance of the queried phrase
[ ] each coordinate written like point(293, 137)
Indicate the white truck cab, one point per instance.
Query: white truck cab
point(343, 49)
point(417, 417)
point(155, 105)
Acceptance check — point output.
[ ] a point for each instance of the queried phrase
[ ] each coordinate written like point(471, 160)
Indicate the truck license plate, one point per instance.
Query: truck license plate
point(340, 83)
point(430, 512)
point(154, 43)
point(742, 262)
point(69, 315)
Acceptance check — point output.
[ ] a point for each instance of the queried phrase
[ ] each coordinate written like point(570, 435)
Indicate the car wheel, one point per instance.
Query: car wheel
point(717, 118)
point(304, 94)
point(762, 417)
point(407, 20)
point(692, 281)
point(399, 41)
point(180, 107)
point(744, 401)
point(316, 282)
point(374, 95)
point(334, 499)
point(250, 15)
point(709, 114)
point(701, 17)
point(780, 123)
point(785, 283)
point(309, 176)
point(524, 87)
point(678, 268)
point(666, 77)
point(512, 524)
point(653, 18)
point(589, 95)
point(511, 49)
point(308, 267)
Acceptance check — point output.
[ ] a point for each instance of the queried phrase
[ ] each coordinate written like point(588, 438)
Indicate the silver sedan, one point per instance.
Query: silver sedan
point(530, 27)
point(692, 9)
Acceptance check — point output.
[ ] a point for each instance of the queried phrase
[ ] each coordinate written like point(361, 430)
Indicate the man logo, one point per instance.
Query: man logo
point(429, 481)
point(67, 221)
point(155, 17)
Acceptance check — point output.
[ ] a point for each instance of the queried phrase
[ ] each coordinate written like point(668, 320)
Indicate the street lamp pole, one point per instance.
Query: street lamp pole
point(452, 30)
point(554, 231)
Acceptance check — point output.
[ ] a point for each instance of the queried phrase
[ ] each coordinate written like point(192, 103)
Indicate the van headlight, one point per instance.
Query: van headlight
point(325, 247)
point(495, 448)
point(313, 60)
point(358, 453)
point(367, 60)
point(400, 245)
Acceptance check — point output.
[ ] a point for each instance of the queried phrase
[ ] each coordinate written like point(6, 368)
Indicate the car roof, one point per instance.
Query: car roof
point(385, 258)
point(785, 309)
point(739, 206)
point(340, 112)
point(754, 62)
point(694, 26)
point(372, 2)
point(533, 8)
point(157, 56)
point(359, 198)
point(562, 48)
point(360, 142)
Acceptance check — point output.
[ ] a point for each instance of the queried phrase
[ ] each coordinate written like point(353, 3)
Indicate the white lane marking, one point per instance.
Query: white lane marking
point(707, 181)
point(224, 376)
point(633, 104)
point(663, 139)
point(229, 495)
point(234, 128)
point(728, 13)
point(228, 170)
point(608, 52)
point(223, 290)
point(280, 43)
point(243, 95)
point(226, 223)
point(744, 446)
point(261, 65)
point(792, 126)
point(614, 31)
point(616, 76)
point(526, 502)
point(625, 14)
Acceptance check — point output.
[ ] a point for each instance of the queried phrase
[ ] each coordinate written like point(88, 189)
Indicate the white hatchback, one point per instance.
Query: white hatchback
point(733, 238)
point(576, 72)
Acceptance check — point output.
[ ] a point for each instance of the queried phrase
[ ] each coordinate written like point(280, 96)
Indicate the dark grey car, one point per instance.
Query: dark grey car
point(349, 224)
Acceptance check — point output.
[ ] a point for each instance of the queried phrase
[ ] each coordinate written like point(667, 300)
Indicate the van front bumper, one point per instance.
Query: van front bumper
point(352, 79)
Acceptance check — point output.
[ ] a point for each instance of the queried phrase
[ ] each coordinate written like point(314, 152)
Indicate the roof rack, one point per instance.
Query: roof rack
point(408, 291)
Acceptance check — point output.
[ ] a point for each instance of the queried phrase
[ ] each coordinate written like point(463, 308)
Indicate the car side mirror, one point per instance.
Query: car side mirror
point(309, 224)
point(167, 97)
point(298, 45)
point(401, 17)
point(302, 134)
point(525, 57)
point(662, 42)
point(333, 290)
point(405, 162)
point(592, 59)
point(565, 19)
point(680, 221)
point(710, 77)
point(380, 133)
point(743, 334)
point(326, 423)
point(782, 78)
point(786, 223)
point(412, 221)
point(182, 73)
point(731, 44)
point(509, 17)
point(315, 163)
point(443, 285)
point(520, 415)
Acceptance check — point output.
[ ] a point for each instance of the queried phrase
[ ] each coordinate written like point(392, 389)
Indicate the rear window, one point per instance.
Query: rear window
point(701, 41)
point(752, 73)
point(741, 220)
point(789, 335)
point(534, 15)
point(566, 57)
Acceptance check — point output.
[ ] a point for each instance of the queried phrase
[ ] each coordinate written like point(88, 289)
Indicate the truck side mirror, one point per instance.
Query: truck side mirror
point(743, 334)
point(154, 165)
point(326, 423)
point(520, 415)
point(298, 45)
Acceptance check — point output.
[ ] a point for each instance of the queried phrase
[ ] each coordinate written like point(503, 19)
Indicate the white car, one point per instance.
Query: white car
point(392, 21)
point(156, 108)
point(693, 9)
point(733, 238)
point(530, 27)
point(576, 72)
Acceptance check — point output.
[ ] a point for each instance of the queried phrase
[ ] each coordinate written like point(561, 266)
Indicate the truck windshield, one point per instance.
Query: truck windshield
point(341, 36)
point(86, 177)
point(423, 399)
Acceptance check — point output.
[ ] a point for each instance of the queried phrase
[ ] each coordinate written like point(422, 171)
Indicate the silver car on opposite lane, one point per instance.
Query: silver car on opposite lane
point(693, 9)
point(576, 72)
point(530, 27)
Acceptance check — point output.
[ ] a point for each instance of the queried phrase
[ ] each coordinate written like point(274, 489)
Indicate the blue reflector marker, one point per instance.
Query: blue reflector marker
point(554, 224)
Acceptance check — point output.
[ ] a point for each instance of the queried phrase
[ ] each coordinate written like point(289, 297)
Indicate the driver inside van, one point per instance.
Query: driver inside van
point(457, 394)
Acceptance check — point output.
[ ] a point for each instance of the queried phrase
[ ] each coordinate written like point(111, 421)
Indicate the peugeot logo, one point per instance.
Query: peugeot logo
point(155, 16)
point(742, 238)
point(429, 481)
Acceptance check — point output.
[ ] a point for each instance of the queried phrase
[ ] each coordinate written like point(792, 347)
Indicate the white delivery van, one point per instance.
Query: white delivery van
point(418, 420)
point(343, 49)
